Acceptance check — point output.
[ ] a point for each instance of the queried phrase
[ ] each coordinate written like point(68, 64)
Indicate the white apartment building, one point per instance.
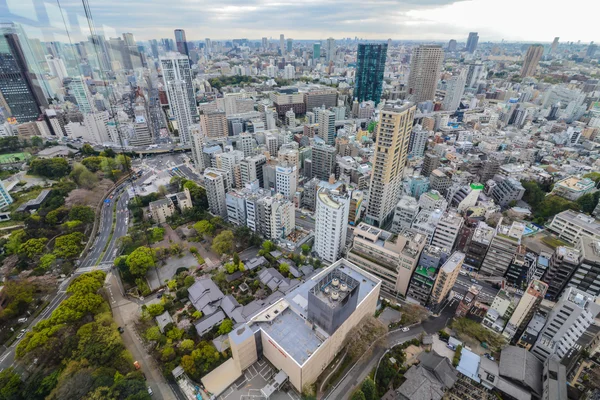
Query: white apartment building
point(286, 176)
point(216, 182)
point(230, 161)
point(570, 226)
point(447, 230)
point(405, 213)
point(331, 224)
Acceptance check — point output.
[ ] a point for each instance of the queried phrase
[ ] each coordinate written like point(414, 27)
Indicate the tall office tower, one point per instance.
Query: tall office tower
point(451, 46)
point(327, 126)
point(472, 41)
point(554, 46)
point(289, 45)
point(502, 249)
point(251, 169)
point(475, 74)
point(57, 67)
point(216, 183)
point(591, 50)
point(282, 44)
point(77, 89)
point(179, 105)
point(392, 258)
point(425, 67)
point(154, 48)
point(331, 224)
point(208, 45)
point(532, 58)
point(323, 161)
point(417, 142)
point(18, 86)
point(391, 152)
point(447, 230)
point(524, 311)
point(370, 65)
point(246, 143)
point(330, 49)
point(230, 162)
point(316, 52)
point(181, 42)
point(265, 43)
point(430, 163)
point(573, 313)
point(564, 261)
point(197, 140)
point(286, 176)
point(454, 91)
point(176, 68)
point(446, 278)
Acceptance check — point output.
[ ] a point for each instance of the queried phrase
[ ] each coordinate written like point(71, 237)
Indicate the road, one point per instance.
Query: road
point(124, 312)
point(359, 371)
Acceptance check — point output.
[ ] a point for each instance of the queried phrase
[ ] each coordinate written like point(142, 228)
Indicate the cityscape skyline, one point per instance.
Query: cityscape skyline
point(437, 20)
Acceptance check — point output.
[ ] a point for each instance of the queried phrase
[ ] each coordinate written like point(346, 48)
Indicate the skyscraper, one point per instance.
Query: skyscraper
point(330, 49)
point(472, 41)
point(331, 224)
point(289, 45)
point(425, 66)
point(454, 91)
point(316, 52)
point(451, 45)
point(181, 42)
point(265, 43)
point(370, 66)
point(327, 126)
point(323, 161)
point(20, 90)
point(532, 58)
point(554, 45)
point(282, 44)
point(391, 151)
point(178, 81)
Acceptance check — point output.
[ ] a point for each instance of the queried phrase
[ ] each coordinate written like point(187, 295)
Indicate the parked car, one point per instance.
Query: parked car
point(121, 329)
point(136, 364)
point(405, 329)
point(22, 333)
point(150, 392)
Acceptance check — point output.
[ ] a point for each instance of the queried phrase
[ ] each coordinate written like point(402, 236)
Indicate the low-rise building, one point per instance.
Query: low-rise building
point(573, 187)
point(570, 225)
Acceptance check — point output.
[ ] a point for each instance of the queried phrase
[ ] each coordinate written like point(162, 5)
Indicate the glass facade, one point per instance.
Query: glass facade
point(369, 72)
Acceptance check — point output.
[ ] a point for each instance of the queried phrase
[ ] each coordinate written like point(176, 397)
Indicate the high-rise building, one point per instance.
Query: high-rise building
point(77, 90)
point(316, 52)
point(474, 74)
point(282, 44)
point(370, 65)
point(177, 78)
point(323, 161)
point(525, 309)
point(18, 86)
point(251, 169)
point(451, 46)
point(417, 142)
point(327, 126)
point(265, 43)
point(430, 163)
point(423, 280)
point(454, 91)
point(330, 49)
point(446, 278)
point(502, 249)
point(562, 264)
point(391, 152)
point(472, 41)
point(554, 46)
point(405, 213)
point(289, 72)
point(392, 258)
point(425, 67)
point(573, 313)
point(506, 190)
point(591, 50)
point(214, 124)
point(208, 45)
point(587, 275)
point(289, 45)
point(286, 176)
point(331, 224)
point(216, 182)
point(181, 42)
point(532, 58)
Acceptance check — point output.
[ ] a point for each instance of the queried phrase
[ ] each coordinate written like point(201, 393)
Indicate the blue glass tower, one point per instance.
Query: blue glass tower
point(369, 72)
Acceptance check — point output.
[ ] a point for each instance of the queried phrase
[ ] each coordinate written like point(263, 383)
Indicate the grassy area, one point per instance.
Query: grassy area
point(14, 157)
point(20, 199)
point(468, 329)
point(554, 242)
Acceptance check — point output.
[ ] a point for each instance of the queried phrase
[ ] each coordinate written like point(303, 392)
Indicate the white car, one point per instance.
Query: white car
point(150, 392)
point(405, 329)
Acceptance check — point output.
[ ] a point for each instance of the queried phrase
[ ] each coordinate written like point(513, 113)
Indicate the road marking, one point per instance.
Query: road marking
point(4, 357)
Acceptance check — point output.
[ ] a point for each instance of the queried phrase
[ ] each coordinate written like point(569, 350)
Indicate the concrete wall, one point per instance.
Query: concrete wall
point(281, 360)
point(244, 353)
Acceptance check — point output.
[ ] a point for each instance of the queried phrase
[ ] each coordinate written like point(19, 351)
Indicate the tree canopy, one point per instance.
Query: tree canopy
point(223, 243)
point(53, 168)
point(140, 260)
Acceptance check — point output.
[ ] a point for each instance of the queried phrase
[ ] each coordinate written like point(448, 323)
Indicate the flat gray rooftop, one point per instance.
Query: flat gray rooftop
point(292, 333)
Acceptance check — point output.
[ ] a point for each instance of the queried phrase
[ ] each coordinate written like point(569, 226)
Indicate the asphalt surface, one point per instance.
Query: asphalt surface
point(359, 371)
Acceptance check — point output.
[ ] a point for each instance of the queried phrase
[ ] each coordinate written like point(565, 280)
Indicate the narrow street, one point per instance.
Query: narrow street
point(124, 313)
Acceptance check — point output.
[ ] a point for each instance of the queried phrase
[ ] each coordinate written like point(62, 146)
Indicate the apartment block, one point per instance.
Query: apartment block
point(446, 278)
point(570, 225)
point(331, 224)
point(405, 213)
point(422, 281)
point(502, 249)
point(562, 264)
point(525, 309)
point(216, 182)
point(506, 190)
point(587, 275)
point(479, 244)
point(447, 230)
point(392, 258)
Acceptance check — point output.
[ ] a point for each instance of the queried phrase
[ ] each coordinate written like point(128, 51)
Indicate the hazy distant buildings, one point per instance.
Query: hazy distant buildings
point(532, 58)
point(472, 41)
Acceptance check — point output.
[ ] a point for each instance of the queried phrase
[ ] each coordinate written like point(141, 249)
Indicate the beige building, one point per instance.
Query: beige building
point(214, 123)
point(425, 67)
point(391, 151)
point(302, 333)
point(392, 258)
point(532, 58)
point(163, 208)
point(525, 309)
point(446, 278)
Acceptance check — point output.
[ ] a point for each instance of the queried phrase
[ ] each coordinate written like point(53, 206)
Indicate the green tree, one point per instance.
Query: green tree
point(267, 247)
point(94, 164)
point(168, 354)
point(14, 242)
point(37, 141)
point(197, 314)
point(140, 260)
point(83, 176)
point(84, 214)
point(533, 195)
point(11, 386)
point(225, 327)
point(155, 309)
point(236, 259)
point(552, 205)
point(588, 202)
point(305, 249)
point(88, 150)
point(204, 227)
point(33, 247)
point(223, 243)
point(230, 268)
point(69, 246)
point(175, 333)
point(153, 333)
point(187, 345)
point(46, 261)
point(595, 176)
point(369, 389)
point(52, 168)
point(284, 268)
point(358, 395)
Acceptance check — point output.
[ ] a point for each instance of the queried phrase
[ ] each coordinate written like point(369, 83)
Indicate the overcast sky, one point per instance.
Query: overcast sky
point(512, 20)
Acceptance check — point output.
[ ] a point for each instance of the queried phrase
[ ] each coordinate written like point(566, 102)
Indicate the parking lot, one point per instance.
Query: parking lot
point(248, 386)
